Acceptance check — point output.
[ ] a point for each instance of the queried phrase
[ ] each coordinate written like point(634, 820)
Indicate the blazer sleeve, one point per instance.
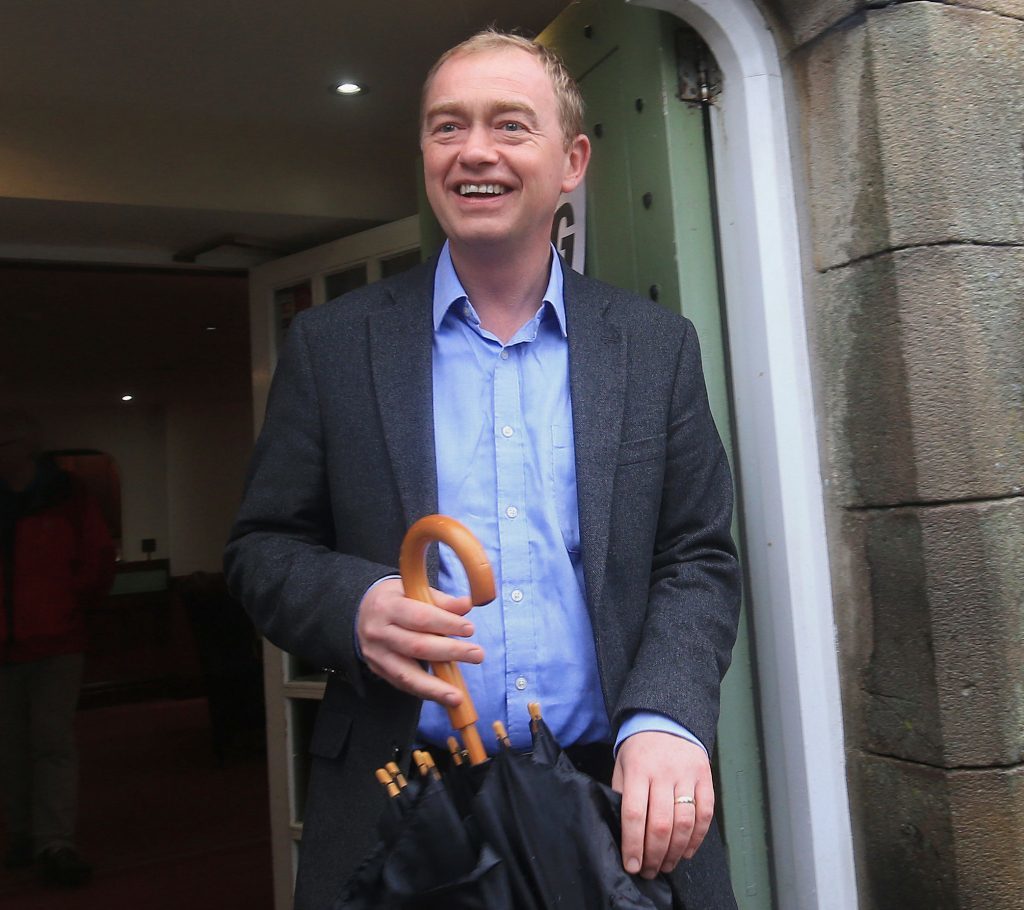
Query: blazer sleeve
point(280, 560)
point(694, 594)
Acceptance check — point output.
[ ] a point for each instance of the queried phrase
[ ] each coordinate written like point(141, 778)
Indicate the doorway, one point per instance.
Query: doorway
point(648, 82)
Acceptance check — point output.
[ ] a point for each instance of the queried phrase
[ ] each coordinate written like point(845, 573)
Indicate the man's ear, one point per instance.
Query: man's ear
point(576, 160)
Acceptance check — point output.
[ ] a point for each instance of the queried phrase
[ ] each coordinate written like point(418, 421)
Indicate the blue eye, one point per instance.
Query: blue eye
point(511, 126)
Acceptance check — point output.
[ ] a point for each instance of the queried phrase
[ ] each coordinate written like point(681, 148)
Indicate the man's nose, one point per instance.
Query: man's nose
point(479, 147)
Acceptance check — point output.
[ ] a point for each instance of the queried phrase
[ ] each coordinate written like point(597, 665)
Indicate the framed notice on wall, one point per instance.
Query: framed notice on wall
point(569, 228)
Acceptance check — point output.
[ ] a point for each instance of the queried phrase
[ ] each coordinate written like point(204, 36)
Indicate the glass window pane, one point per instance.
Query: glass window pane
point(288, 303)
point(399, 263)
point(342, 282)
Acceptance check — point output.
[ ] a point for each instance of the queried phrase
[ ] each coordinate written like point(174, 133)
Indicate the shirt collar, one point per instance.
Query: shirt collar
point(448, 290)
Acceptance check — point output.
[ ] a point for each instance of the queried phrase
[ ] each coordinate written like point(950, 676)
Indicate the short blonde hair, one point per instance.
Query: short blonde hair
point(567, 92)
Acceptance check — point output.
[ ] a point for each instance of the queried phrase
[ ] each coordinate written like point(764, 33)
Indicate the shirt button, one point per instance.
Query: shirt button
point(521, 683)
point(511, 511)
point(516, 595)
point(507, 431)
point(504, 355)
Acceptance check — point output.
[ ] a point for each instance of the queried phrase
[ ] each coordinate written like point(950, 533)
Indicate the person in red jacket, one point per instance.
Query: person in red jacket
point(55, 555)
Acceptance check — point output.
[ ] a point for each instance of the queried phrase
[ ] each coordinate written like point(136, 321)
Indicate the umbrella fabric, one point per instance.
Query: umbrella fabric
point(428, 858)
point(557, 831)
point(540, 836)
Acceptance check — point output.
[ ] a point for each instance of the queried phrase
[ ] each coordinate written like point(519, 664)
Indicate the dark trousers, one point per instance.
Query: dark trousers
point(38, 760)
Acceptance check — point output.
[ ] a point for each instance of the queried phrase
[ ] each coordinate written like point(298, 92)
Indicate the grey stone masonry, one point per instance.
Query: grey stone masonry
point(1012, 8)
point(941, 840)
point(912, 118)
point(805, 20)
point(920, 356)
point(941, 648)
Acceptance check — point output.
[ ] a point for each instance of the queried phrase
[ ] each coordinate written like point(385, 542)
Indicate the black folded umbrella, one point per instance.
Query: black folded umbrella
point(514, 832)
point(428, 858)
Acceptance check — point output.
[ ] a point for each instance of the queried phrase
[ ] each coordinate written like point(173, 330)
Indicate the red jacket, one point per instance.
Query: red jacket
point(56, 555)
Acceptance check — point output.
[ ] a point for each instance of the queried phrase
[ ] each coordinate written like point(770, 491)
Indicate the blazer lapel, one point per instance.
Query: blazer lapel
point(597, 370)
point(401, 338)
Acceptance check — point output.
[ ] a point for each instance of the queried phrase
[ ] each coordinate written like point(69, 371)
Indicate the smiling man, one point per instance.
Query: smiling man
point(566, 424)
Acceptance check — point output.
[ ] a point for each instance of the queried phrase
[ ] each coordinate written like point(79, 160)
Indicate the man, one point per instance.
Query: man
point(565, 423)
point(55, 553)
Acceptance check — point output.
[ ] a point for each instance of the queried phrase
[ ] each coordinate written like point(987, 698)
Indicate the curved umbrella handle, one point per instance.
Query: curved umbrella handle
point(412, 564)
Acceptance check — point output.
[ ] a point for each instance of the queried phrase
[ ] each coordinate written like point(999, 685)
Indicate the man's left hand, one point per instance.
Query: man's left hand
point(652, 770)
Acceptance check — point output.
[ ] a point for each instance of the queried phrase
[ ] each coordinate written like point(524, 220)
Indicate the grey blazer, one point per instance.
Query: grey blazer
point(345, 463)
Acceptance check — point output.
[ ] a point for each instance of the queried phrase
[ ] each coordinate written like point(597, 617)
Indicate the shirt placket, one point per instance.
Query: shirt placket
point(518, 596)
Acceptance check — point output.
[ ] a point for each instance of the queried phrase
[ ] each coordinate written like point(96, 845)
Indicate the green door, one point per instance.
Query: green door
point(650, 228)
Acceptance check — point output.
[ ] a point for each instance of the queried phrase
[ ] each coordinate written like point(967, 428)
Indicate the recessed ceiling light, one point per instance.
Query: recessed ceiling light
point(349, 88)
point(211, 328)
point(127, 397)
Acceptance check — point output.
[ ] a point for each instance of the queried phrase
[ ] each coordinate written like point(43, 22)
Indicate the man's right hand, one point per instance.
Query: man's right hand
point(396, 634)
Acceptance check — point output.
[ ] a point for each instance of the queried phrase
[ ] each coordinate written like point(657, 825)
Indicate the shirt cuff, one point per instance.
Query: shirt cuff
point(650, 721)
point(355, 622)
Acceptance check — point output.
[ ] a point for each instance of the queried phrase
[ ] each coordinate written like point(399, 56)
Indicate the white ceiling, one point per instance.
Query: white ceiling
point(135, 129)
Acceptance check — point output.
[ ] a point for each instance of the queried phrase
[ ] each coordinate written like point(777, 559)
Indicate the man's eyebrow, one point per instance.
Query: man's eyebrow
point(445, 108)
point(513, 107)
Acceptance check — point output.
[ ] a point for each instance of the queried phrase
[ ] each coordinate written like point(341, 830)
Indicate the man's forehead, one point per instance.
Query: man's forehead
point(504, 65)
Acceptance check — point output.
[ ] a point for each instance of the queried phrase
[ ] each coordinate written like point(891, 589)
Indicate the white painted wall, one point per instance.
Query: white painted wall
point(181, 469)
point(207, 450)
point(136, 438)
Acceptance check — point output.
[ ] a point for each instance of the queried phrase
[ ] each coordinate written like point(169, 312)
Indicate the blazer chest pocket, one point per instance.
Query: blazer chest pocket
point(330, 733)
point(648, 448)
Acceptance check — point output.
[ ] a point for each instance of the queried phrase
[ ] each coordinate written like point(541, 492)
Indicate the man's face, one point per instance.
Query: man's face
point(494, 157)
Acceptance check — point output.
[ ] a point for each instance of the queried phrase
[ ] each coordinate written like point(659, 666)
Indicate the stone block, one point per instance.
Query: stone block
point(941, 632)
point(804, 20)
point(940, 840)
point(910, 116)
point(919, 357)
point(1012, 8)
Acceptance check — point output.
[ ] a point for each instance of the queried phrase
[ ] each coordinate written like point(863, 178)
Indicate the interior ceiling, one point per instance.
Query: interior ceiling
point(130, 131)
point(220, 76)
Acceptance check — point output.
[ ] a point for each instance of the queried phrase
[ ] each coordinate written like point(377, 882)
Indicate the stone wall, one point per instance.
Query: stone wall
point(912, 127)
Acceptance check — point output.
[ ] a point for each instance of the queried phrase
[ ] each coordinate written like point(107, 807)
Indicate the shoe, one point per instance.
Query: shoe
point(20, 854)
point(62, 866)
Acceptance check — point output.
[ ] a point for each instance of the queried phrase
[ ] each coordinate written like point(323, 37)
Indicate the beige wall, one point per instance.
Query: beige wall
point(181, 471)
point(207, 449)
point(137, 439)
point(74, 339)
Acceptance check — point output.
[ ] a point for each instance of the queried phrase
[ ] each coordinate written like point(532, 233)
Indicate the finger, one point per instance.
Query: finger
point(417, 616)
point(634, 820)
point(704, 797)
point(410, 677)
point(658, 832)
point(427, 646)
point(458, 605)
point(682, 828)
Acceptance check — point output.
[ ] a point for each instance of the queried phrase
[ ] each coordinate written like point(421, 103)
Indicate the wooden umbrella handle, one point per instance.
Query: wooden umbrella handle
point(412, 564)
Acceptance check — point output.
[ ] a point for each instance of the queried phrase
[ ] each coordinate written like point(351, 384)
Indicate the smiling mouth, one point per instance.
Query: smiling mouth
point(481, 189)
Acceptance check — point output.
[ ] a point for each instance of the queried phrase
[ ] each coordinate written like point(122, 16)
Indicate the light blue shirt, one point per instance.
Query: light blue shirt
point(506, 469)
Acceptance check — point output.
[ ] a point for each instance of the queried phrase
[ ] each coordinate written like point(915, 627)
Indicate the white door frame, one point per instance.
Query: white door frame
point(783, 507)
